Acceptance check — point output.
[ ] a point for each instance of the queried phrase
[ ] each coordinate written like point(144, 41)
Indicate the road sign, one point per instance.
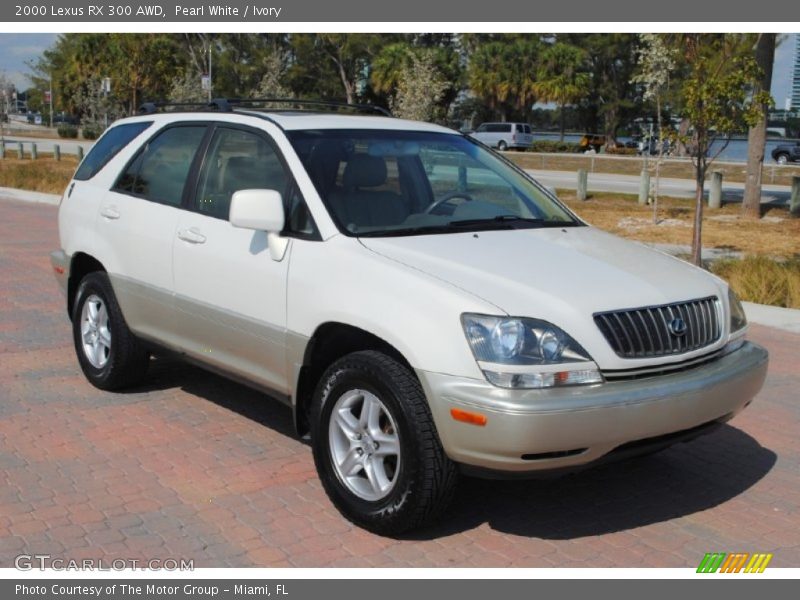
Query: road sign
point(205, 82)
point(47, 95)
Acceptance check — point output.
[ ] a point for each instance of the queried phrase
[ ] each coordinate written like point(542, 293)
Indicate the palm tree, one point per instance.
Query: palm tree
point(489, 73)
point(560, 78)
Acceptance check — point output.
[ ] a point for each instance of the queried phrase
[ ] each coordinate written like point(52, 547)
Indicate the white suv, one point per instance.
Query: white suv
point(421, 305)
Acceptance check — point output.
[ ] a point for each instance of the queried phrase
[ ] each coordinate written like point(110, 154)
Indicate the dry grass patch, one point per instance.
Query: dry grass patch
point(775, 235)
point(763, 280)
point(42, 175)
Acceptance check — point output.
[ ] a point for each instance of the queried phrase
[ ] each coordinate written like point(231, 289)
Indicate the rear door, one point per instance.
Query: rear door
point(138, 218)
point(230, 294)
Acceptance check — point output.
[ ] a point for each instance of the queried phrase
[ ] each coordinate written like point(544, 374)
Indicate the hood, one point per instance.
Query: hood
point(560, 275)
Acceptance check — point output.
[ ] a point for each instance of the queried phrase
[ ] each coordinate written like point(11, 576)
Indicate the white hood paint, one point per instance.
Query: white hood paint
point(560, 275)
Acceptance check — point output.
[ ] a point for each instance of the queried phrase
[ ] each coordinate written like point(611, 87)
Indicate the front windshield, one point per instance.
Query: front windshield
point(388, 183)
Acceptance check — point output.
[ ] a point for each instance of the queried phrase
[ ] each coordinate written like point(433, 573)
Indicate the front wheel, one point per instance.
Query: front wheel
point(110, 356)
point(782, 159)
point(502, 146)
point(375, 445)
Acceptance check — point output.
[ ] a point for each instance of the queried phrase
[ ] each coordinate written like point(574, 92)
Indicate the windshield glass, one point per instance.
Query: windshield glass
point(387, 183)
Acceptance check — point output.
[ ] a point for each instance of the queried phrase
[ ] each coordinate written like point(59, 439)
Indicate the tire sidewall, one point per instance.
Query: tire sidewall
point(335, 382)
point(93, 284)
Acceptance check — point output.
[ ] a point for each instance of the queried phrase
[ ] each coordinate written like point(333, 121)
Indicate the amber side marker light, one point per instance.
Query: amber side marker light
point(468, 417)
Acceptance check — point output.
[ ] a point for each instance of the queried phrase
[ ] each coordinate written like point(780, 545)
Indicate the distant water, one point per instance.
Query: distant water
point(736, 150)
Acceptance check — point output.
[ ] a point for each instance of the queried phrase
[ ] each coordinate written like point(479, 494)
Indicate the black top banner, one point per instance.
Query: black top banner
point(488, 11)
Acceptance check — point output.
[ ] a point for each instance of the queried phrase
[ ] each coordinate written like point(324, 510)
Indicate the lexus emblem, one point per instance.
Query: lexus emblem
point(677, 327)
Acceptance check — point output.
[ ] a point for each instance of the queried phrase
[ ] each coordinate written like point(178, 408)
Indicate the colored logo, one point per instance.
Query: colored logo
point(737, 562)
point(677, 327)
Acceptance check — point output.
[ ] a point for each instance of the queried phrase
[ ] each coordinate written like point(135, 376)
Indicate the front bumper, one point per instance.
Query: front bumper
point(566, 427)
point(60, 263)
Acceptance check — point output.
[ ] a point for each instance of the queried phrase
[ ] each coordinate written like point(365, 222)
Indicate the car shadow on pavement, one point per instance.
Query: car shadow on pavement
point(167, 372)
point(680, 481)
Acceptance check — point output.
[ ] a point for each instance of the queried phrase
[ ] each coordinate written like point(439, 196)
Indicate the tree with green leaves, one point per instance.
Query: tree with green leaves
point(718, 99)
point(561, 78)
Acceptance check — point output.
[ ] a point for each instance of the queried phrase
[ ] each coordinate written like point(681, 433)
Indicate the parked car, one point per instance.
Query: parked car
point(505, 136)
point(591, 142)
point(65, 119)
point(786, 153)
point(423, 307)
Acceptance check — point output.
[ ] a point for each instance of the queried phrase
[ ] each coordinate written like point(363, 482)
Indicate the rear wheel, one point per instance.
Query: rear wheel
point(110, 356)
point(502, 145)
point(782, 159)
point(375, 445)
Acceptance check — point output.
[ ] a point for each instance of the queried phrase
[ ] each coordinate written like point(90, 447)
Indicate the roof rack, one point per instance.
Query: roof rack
point(229, 104)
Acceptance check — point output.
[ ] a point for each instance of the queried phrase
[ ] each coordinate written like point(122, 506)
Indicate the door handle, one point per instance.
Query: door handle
point(192, 236)
point(109, 212)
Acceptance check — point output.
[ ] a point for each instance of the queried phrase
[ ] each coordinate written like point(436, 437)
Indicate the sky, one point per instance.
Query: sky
point(16, 49)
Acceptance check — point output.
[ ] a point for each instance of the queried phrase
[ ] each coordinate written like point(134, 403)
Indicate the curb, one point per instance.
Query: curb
point(787, 319)
point(27, 196)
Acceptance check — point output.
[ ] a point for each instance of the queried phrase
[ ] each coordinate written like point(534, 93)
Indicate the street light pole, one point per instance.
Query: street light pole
point(51, 100)
point(209, 71)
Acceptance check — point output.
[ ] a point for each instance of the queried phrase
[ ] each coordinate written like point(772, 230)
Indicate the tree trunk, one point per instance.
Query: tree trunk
point(659, 159)
point(757, 136)
point(610, 128)
point(683, 129)
point(697, 231)
point(562, 118)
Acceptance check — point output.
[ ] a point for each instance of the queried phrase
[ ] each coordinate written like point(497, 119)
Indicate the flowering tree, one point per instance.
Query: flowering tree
point(656, 63)
point(420, 88)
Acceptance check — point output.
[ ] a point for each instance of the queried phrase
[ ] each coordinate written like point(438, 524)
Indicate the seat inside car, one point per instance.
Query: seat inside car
point(359, 203)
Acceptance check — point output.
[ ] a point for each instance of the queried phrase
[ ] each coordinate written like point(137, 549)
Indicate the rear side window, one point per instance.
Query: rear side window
point(159, 172)
point(107, 147)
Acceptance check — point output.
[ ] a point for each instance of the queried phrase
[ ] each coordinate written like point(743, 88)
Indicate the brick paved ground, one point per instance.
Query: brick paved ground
point(193, 466)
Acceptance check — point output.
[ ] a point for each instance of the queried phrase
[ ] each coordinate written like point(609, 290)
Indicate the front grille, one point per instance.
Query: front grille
point(645, 332)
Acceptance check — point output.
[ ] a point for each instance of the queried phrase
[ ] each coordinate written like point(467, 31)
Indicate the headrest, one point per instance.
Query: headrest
point(363, 170)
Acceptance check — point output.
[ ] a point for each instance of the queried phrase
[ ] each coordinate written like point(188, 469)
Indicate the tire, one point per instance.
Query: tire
point(417, 484)
point(502, 146)
point(782, 159)
point(110, 356)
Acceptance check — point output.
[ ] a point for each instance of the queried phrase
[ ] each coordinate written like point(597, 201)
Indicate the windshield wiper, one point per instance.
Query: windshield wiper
point(509, 219)
point(406, 231)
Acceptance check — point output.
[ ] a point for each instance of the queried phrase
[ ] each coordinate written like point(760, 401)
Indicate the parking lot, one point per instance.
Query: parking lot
point(193, 466)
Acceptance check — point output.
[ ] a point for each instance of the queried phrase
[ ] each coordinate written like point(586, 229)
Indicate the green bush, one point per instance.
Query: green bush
point(91, 132)
point(554, 146)
point(67, 131)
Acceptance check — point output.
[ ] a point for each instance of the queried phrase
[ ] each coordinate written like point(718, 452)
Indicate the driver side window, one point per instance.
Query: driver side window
point(237, 160)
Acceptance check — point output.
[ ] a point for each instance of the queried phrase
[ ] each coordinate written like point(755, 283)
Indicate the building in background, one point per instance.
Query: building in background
point(796, 78)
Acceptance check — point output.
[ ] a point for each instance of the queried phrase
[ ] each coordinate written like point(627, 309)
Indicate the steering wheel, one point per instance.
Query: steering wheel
point(446, 198)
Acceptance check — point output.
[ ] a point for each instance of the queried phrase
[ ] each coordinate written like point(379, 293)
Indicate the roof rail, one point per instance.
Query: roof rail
point(229, 104)
point(297, 103)
point(148, 108)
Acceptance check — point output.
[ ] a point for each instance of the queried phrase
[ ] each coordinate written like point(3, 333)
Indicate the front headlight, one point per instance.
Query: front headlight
point(738, 318)
point(527, 353)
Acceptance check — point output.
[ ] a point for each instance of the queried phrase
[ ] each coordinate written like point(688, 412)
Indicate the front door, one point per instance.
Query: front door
point(230, 295)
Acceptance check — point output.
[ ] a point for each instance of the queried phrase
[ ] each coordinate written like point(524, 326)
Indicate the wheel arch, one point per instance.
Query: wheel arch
point(331, 341)
point(80, 266)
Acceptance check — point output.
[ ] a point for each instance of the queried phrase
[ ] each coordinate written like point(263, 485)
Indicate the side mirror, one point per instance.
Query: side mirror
point(261, 210)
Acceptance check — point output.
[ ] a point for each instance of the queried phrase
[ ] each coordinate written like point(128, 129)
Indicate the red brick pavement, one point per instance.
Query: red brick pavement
point(193, 466)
